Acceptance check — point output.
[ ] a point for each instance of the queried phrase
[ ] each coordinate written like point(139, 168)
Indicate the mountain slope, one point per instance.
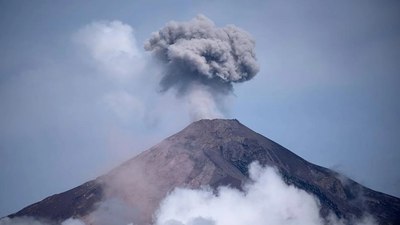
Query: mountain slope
point(211, 152)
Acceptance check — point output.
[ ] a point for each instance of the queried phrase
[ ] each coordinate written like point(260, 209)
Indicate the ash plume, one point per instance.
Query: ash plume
point(198, 54)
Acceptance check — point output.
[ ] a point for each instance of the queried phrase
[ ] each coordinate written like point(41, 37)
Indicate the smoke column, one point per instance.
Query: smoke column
point(201, 62)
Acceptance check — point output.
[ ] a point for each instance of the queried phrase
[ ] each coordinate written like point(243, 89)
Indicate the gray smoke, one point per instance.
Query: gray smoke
point(199, 54)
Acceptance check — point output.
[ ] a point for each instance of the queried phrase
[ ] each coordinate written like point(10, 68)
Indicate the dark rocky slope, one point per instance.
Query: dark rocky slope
point(212, 152)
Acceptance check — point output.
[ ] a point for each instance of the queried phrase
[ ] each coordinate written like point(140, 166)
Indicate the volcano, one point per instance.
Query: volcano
point(210, 153)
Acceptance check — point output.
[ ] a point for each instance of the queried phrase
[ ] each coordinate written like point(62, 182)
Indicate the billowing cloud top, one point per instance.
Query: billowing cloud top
point(197, 50)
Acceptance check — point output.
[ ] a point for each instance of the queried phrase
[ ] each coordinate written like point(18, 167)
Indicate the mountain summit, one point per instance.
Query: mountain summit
point(210, 153)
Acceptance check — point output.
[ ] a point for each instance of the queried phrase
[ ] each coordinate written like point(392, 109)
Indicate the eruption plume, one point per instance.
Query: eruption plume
point(197, 55)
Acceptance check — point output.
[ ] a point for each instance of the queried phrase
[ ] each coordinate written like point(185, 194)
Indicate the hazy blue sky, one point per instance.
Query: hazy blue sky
point(78, 94)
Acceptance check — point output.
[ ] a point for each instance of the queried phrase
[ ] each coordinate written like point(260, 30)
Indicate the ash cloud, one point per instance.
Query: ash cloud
point(198, 54)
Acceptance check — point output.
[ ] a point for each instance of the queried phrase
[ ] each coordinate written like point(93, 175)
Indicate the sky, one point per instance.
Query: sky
point(79, 94)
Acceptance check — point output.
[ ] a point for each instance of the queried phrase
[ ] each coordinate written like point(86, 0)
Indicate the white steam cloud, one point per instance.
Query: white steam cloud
point(113, 48)
point(199, 55)
point(267, 200)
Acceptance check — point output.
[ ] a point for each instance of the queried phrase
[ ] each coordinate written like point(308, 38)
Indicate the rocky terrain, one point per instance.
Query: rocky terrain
point(211, 152)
